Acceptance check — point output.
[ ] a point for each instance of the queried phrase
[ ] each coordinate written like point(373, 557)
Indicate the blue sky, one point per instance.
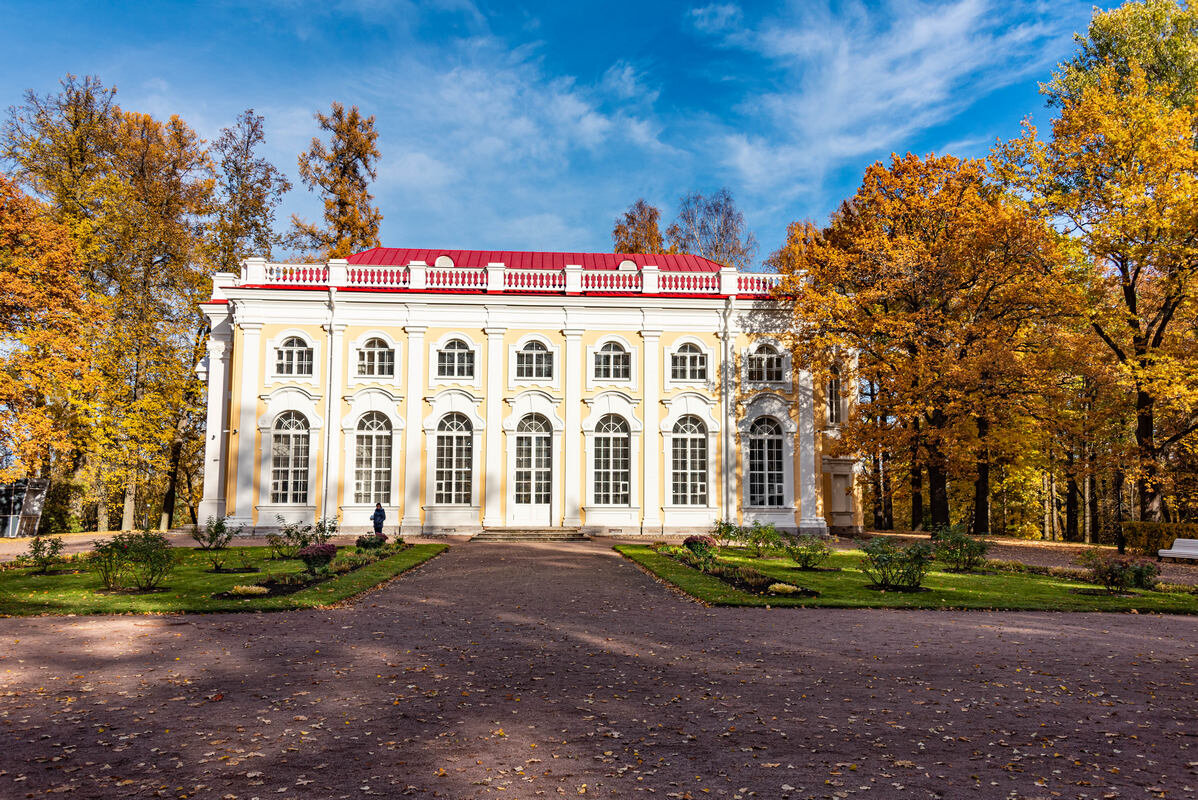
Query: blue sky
point(532, 125)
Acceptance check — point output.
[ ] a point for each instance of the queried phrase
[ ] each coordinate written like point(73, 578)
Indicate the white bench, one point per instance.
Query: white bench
point(1182, 548)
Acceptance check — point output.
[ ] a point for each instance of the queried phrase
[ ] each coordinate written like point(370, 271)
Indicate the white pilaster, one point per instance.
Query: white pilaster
point(493, 480)
point(573, 372)
point(215, 438)
point(247, 423)
point(413, 430)
point(334, 382)
point(651, 451)
point(728, 455)
point(810, 520)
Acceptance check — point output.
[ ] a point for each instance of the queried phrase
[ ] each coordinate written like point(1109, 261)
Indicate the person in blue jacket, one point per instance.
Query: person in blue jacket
point(377, 517)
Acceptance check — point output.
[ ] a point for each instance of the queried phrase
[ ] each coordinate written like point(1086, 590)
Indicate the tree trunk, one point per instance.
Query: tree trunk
point(1120, 543)
point(1046, 526)
point(887, 495)
point(981, 484)
point(166, 520)
point(1055, 499)
point(1071, 498)
point(101, 506)
point(938, 494)
point(916, 495)
point(127, 520)
point(1088, 514)
point(1147, 482)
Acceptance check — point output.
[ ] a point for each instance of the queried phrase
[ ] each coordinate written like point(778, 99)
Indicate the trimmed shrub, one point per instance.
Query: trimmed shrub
point(725, 532)
point(960, 551)
point(808, 551)
point(44, 552)
point(371, 541)
point(1146, 538)
point(891, 567)
point(215, 535)
point(316, 557)
point(702, 545)
point(1117, 573)
point(762, 538)
point(249, 591)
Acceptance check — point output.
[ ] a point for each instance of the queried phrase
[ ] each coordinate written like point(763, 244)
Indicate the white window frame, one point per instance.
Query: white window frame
point(360, 403)
point(555, 353)
point(277, 402)
point(784, 385)
point(835, 404)
point(272, 348)
point(624, 405)
point(435, 347)
point(691, 404)
point(353, 378)
point(769, 404)
point(533, 401)
point(669, 352)
point(436, 515)
point(631, 383)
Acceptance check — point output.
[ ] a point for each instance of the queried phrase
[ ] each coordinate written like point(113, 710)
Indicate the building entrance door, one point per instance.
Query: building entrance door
point(533, 479)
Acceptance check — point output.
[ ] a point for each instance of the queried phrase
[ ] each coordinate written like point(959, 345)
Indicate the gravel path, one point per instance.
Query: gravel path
point(522, 671)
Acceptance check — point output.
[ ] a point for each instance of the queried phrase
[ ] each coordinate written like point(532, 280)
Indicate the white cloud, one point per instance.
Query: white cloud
point(623, 81)
point(715, 17)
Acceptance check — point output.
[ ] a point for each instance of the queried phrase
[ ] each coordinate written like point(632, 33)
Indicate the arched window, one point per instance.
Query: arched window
point(765, 463)
point(289, 459)
point(613, 462)
point(534, 361)
point(613, 362)
point(455, 360)
point(376, 359)
point(765, 365)
point(372, 459)
point(455, 460)
point(293, 358)
point(688, 363)
point(689, 462)
point(835, 401)
point(534, 460)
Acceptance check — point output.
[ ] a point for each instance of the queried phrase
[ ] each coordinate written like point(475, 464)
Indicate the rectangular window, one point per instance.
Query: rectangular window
point(454, 456)
point(537, 364)
point(455, 364)
point(688, 367)
point(372, 468)
point(765, 472)
point(376, 363)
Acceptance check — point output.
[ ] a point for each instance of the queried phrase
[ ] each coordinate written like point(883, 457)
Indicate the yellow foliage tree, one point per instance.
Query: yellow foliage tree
point(638, 231)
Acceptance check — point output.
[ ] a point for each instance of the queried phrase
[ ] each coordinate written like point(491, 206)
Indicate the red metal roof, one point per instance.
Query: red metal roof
point(398, 256)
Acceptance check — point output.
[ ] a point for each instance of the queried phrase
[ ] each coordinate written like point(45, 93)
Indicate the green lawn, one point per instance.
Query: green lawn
point(191, 586)
point(848, 588)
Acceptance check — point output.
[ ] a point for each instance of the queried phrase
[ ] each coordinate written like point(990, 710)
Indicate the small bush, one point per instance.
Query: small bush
point(325, 529)
point(762, 538)
point(277, 545)
point(1117, 573)
point(215, 535)
point(44, 552)
point(725, 532)
point(783, 588)
point(808, 551)
point(109, 559)
point(133, 560)
point(293, 537)
point(959, 550)
point(703, 546)
point(1146, 538)
point(316, 557)
point(217, 557)
point(891, 567)
point(347, 562)
point(249, 591)
point(244, 561)
point(370, 541)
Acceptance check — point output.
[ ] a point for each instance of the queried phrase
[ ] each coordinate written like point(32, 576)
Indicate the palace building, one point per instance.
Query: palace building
point(472, 390)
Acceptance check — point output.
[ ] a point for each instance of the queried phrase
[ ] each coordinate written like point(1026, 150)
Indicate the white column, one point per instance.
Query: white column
point(493, 481)
point(572, 439)
point(728, 454)
point(651, 452)
point(810, 520)
point(334, 382)
point(215, 439)
point(413, 430)
point(247, 423)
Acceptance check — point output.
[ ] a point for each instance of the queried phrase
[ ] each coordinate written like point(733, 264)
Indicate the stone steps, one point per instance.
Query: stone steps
point(530, 535)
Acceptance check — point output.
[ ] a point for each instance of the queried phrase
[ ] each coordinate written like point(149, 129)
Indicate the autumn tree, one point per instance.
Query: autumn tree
point(341, 171)
point(248, 190)
point(714, 228)
point(638, 231)
point(45, 319)
point(1120, 175)
point(930, 285)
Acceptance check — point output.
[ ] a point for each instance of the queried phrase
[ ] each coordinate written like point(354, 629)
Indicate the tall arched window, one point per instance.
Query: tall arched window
point(376, 359)
point(294, 357)
point(372, 459)
point(689, 462)
point(688, 363)
point(765, 364)
point(765, 463)
point(534, 460)
point(455, 360)
point(534, 361)
point(455, 460)
point(835, 401)
point(289, 459)
point(613, 462)
point(613, 362)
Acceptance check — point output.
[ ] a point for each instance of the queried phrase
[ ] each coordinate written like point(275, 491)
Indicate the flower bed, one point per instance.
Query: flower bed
point(746, 579)
point(322, 563)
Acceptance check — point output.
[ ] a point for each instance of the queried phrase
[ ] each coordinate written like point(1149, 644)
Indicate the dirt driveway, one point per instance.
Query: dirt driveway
point(523, 671)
